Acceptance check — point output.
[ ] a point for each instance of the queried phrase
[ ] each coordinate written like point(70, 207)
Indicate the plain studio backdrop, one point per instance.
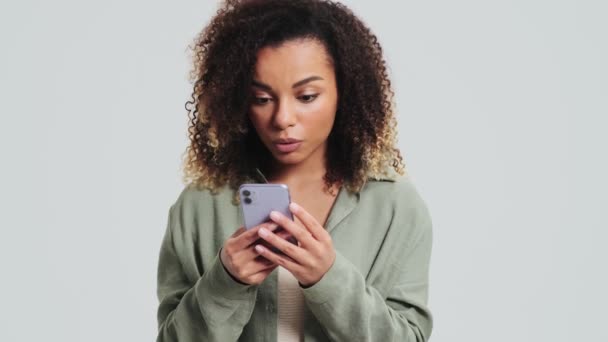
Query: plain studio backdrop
point(502, 111)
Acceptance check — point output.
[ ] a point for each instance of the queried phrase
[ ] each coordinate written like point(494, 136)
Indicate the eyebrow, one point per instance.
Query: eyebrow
point(295, 85)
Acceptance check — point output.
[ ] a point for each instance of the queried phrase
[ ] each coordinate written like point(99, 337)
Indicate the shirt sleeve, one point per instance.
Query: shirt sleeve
point(349, 309)
point(213, 307)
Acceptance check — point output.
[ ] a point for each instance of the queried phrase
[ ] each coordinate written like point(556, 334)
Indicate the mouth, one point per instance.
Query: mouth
point(287, 145)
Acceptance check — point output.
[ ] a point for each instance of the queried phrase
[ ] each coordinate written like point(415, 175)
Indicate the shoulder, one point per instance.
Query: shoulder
point(399, 190)
point(199, 211)
point(194, 199)
point(401, 196)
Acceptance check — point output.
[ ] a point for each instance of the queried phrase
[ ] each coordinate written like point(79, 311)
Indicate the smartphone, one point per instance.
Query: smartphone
point(258, 200)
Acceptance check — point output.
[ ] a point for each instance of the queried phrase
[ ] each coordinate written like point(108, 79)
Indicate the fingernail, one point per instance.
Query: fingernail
point(259, 248)
point(275, 215)
point(263, 232)
point(273, 226)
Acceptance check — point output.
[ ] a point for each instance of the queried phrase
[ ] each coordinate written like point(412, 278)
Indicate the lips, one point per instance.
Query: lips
point(287, 145)
point(286, 141)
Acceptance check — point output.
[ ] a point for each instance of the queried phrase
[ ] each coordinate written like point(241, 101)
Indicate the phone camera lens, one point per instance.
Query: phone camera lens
point(247, 200)
point(246, 193)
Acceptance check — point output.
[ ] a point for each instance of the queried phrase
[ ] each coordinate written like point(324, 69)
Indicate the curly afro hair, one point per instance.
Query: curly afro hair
point(224, 148)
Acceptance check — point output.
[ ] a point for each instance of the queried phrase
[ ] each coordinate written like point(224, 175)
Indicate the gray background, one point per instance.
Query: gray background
point(502, 117)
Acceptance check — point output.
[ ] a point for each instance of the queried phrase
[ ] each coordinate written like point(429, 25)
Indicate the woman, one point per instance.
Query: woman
point(294, 92)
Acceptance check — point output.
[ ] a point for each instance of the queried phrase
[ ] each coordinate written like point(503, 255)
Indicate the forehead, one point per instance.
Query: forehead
point(292, 59)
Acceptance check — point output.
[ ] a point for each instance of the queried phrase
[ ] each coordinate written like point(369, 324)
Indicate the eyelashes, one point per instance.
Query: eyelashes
point(311, 96)
point(308, 98)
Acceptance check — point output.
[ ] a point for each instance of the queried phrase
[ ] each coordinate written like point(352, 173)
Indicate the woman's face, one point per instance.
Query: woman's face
point(294, 100)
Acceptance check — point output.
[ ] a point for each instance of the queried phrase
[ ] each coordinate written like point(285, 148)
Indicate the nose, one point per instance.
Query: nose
point(285, 115)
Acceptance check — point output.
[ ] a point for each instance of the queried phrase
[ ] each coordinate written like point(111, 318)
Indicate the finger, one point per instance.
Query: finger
point(259, 264)
point(295, 252)
point(281, 260)
point(245, 256)
point(263, 261)
point(267, 244)
point(280, 232)
point(310, 223)
point(300, 233)
point(248, 237)
point(285, 235)
point(257, 278)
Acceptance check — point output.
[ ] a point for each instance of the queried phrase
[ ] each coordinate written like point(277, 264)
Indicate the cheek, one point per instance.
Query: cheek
point(320, 122)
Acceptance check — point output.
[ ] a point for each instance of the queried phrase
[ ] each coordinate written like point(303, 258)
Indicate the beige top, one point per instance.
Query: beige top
point(291, 308)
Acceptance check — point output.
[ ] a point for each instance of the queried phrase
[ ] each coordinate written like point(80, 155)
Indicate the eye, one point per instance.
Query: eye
point(309, 98)
point(261, 100)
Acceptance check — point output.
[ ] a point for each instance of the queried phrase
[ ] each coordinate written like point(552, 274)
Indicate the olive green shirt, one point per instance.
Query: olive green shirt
point(376, 289)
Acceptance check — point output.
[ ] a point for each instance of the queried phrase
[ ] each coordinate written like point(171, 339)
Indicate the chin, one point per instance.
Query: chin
point(288, 159)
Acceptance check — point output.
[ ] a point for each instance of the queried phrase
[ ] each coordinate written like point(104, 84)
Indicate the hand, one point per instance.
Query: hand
point(315, 254)
point(281, 233)
point(240, 259)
